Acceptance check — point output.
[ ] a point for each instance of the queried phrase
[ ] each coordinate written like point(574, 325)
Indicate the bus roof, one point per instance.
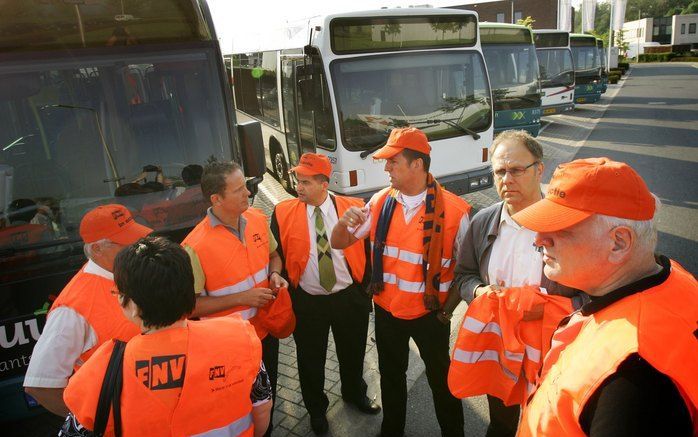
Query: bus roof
point(582, 39)
point(298, 33)
point(505, 33)
point(33, 25)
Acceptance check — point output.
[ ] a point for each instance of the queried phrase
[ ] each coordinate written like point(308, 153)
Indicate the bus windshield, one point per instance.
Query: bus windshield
point(556, 68)
point(444, 93)
point(79, 132)
point(513, 70)
point(586, 60)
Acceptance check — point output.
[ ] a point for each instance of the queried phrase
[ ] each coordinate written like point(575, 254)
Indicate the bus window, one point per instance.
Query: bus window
point(255, 85)
point(427, 90)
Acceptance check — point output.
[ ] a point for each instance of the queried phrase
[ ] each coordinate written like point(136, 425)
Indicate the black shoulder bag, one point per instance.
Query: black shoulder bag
point(110, 394)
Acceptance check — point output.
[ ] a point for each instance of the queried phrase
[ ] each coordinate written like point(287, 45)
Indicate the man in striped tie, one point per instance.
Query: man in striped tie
point(325, 288)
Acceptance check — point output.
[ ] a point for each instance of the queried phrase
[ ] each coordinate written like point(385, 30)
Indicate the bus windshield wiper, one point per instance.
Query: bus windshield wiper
point(451, 123)
point(367, 152)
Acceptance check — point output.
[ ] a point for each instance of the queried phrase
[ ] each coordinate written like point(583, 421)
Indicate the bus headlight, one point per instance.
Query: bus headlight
point(479, 182)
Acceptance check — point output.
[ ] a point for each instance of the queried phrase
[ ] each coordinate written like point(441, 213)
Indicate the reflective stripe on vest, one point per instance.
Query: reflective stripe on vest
point(403, 269)
point(253, 281)
point(501, 341)
point(410, 257)
point(658, 324)
point(233, 429)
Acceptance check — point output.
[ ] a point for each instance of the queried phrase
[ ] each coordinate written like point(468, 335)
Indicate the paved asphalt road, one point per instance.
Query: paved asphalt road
point(652, 124)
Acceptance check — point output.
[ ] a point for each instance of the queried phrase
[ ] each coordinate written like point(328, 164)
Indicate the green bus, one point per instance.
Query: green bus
point(587, 68)
point(100, 102)
point(512, 66)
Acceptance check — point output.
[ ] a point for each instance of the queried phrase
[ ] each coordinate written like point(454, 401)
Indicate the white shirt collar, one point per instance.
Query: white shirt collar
point(412, 201)
point(506, 218)
point(326, 206)
point(94, 268)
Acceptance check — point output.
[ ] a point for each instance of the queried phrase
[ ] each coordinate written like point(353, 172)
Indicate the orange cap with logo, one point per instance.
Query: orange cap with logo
point(401, 139)
point(113, 222)
point(312, 164)
point(584, 187)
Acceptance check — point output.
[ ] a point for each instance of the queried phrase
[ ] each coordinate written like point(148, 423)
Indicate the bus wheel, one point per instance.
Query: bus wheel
point(281, 170)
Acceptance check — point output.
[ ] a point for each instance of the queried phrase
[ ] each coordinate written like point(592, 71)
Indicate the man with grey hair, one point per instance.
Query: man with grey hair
point(87, 312)
point(497, 252)
point(625, 364)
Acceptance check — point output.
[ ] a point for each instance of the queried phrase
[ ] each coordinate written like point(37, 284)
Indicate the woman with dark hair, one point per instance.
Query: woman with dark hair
point(180, 377)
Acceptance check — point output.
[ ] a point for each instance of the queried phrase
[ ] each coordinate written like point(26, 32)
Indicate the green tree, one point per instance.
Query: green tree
point(528, 22)
point(653, 8)
point(692, 8)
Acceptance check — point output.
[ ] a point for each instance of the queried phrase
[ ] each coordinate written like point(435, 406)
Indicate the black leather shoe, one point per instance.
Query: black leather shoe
point(366, 405)
point(319, 424)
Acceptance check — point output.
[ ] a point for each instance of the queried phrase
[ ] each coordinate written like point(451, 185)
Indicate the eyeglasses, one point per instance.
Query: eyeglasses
point(514, 171)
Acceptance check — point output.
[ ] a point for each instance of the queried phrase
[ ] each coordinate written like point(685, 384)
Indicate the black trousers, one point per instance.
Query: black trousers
point(431, 336)
point(346, 313)
point(503, 420)
point(270, 356)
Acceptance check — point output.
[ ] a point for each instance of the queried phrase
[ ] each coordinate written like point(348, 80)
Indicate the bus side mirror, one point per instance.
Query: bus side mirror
point(307, 92)
point(252, 148)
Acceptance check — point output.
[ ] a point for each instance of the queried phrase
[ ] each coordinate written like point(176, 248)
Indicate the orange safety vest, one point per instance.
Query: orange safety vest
point(90, 296)
point(221, 364)
point(294, 238)
point(658, 324)
point(403, 276)
point(502, 341)
point(232, 267)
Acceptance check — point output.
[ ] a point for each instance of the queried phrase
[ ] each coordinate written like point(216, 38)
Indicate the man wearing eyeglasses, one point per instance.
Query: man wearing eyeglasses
point(87, 312)
point(496, 252)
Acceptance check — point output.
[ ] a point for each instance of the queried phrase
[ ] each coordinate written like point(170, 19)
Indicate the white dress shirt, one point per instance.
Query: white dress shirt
point(310, 279)
point(65, 337)
point(514, 261)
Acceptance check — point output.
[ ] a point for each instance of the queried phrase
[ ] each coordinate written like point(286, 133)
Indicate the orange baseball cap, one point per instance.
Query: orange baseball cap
point(313, 163)
point(401, 139)
point(584, 187)
point(113, 222)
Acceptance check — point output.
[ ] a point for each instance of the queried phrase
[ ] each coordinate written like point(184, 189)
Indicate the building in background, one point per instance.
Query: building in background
point(543, 11)
point(676, 33)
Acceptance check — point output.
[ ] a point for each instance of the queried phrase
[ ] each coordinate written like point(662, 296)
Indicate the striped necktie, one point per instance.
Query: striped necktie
point(324, 254)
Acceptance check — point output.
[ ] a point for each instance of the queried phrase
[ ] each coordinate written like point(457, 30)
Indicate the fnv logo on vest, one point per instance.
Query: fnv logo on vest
point(216, 373)
point(162, 372)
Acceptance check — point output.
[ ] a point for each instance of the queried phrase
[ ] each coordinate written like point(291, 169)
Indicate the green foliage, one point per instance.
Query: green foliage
point(692, 8)
point(621, 43)
point(685, 59)
point(654, 8)
point(613, 78)
point(658, 57)
point(624, 65)
point(528, 22)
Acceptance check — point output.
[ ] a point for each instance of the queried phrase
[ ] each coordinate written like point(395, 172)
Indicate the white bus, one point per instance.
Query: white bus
point(556, 70)
point(354, 77)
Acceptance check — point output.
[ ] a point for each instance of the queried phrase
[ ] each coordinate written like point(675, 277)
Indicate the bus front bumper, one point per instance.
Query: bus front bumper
point(557, 109)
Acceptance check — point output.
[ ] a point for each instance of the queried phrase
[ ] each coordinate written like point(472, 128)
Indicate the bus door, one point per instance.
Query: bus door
point(289, 102)
point(315, 116)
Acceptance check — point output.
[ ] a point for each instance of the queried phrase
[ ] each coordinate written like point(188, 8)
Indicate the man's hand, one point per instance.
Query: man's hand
point(277, 281)
point(486, 289)
point(354, 216)
point(257, 297)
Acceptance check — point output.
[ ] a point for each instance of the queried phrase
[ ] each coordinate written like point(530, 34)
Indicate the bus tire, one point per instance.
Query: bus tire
point(281, 169)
